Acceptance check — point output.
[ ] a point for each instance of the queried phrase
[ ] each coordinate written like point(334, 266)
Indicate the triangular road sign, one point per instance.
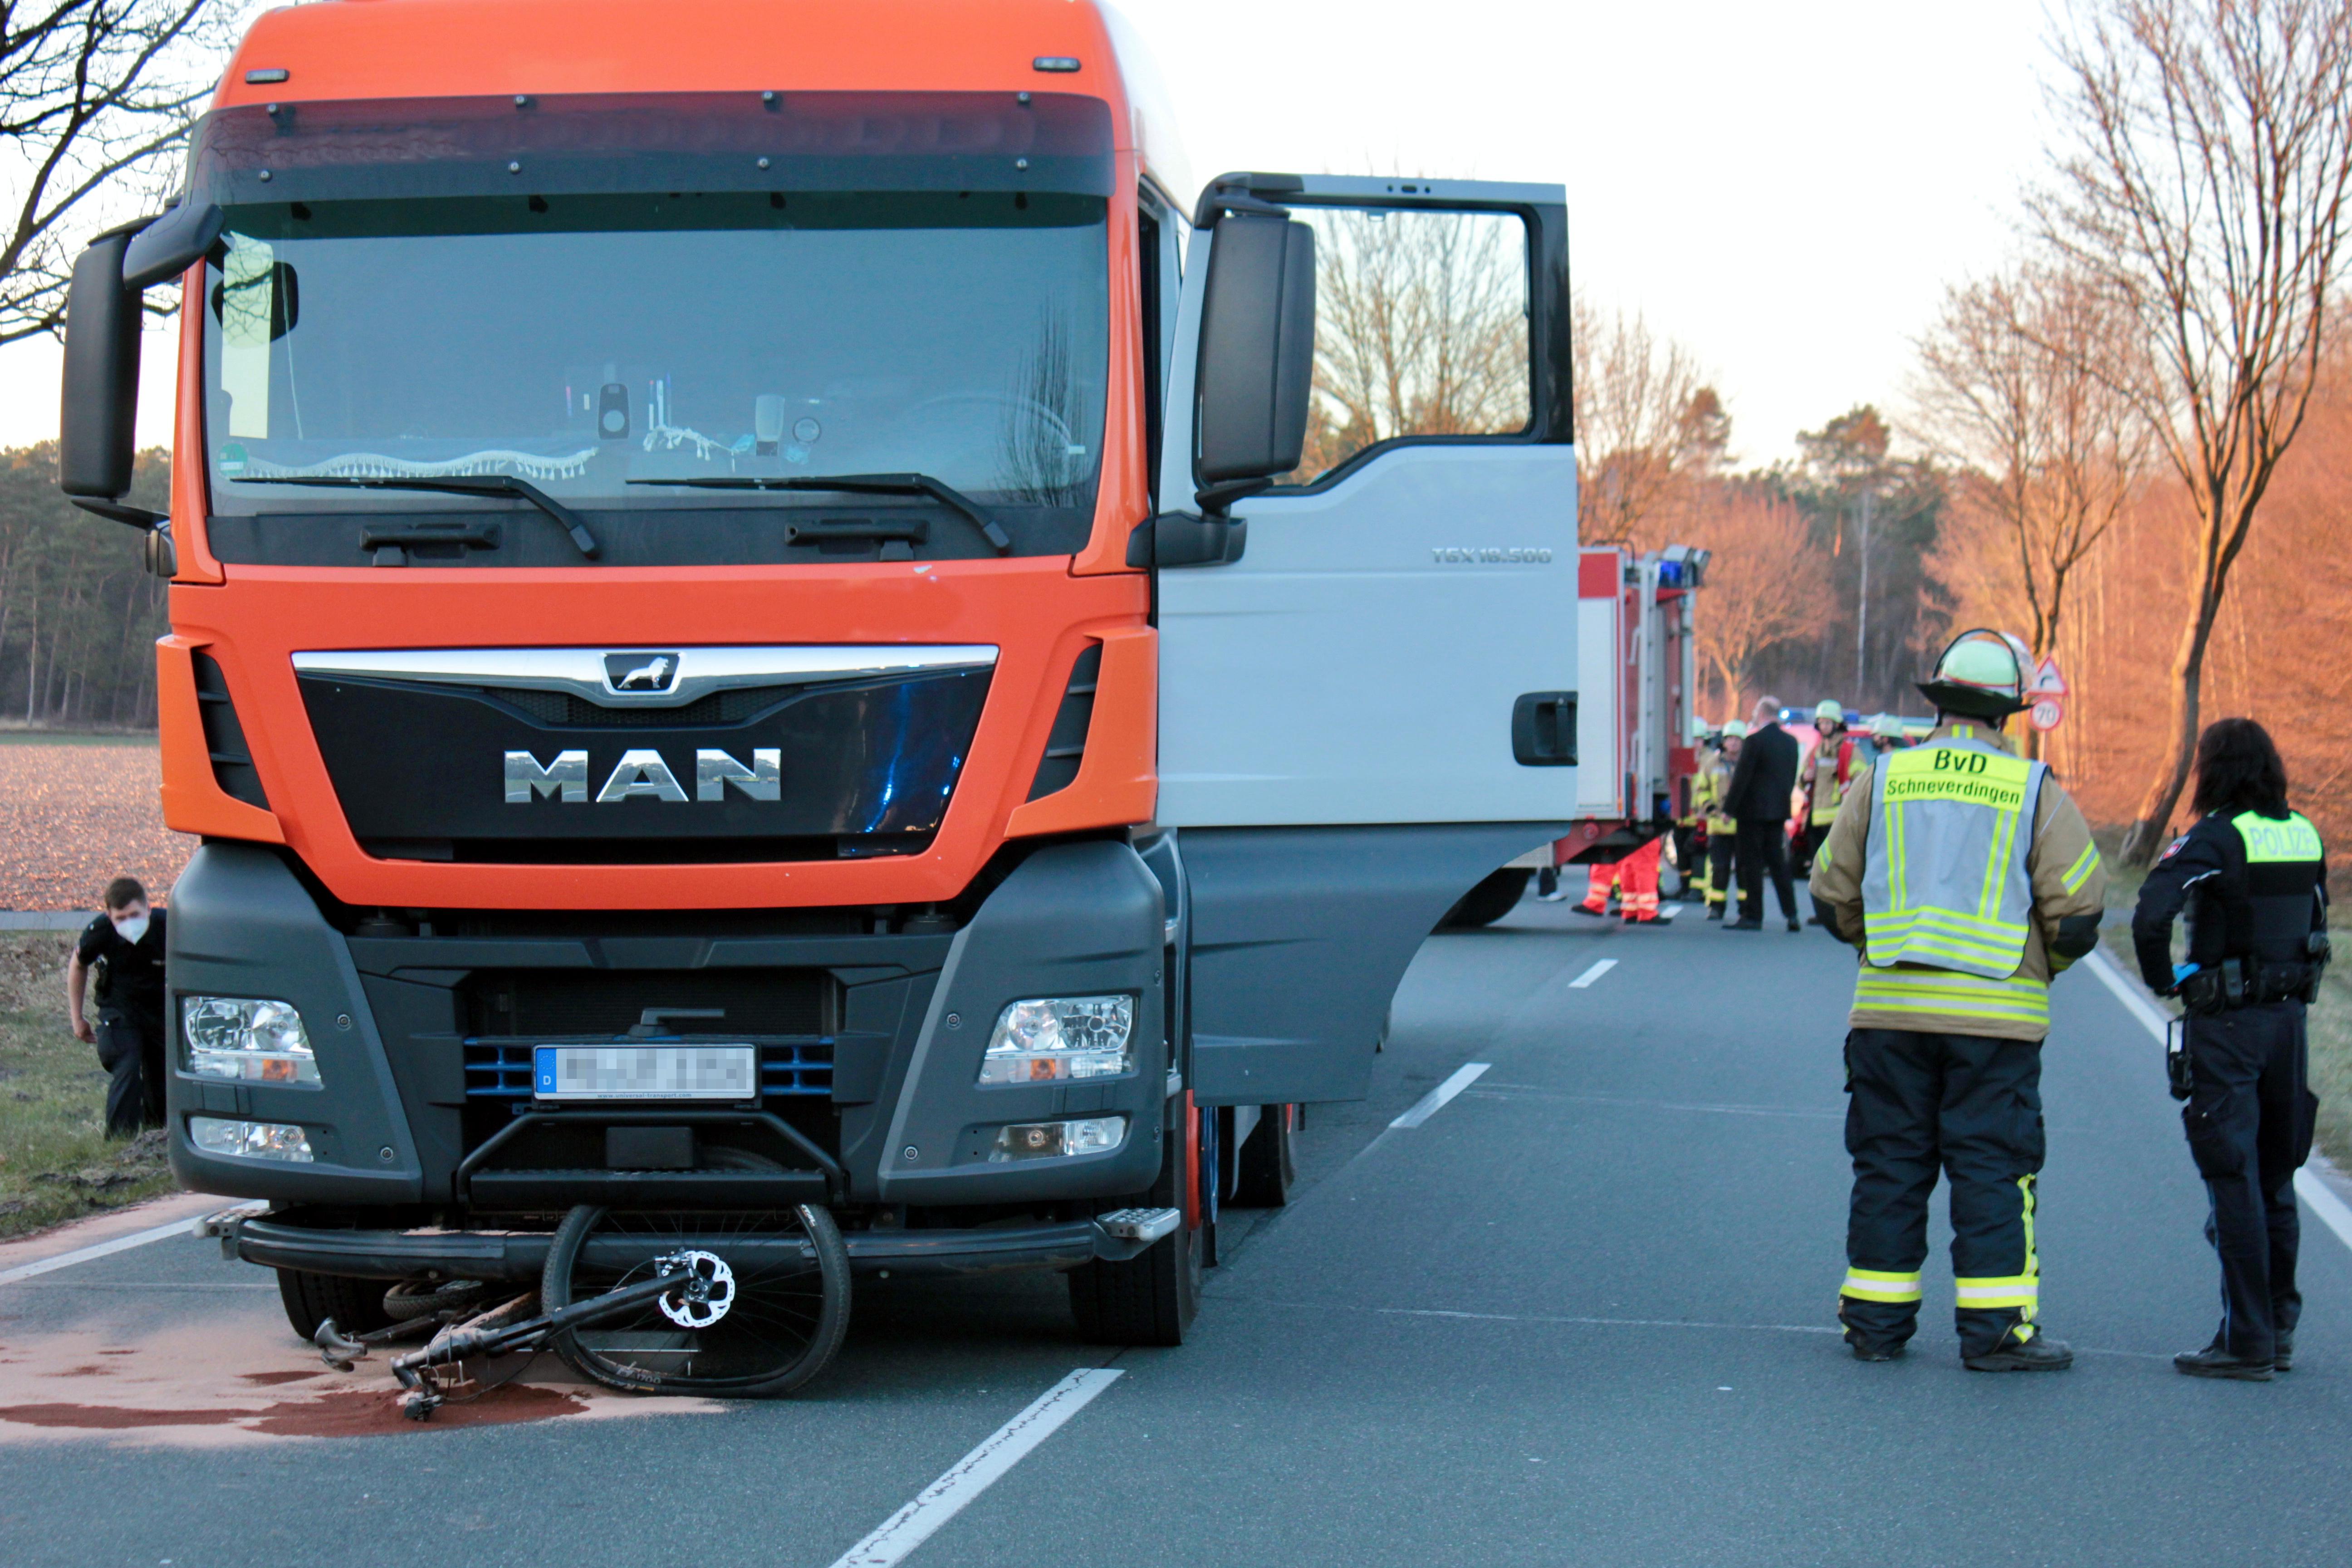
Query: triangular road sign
point(2047, 681)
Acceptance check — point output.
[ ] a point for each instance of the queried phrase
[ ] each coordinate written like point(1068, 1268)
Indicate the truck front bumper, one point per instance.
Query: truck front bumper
point(519, 1256)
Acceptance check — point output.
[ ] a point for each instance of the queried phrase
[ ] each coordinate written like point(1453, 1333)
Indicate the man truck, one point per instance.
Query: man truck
point(789, 664)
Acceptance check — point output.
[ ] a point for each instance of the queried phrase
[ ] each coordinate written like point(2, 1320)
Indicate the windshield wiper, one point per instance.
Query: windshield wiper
point(455, 485)
point(859, 485)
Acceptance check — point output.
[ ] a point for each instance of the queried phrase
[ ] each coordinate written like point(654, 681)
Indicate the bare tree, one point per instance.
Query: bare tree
point(1647, 426)
point(2208, 157)
point(1761, 586)
point(1421, 329)
point(93, 95)
point(2022, 387)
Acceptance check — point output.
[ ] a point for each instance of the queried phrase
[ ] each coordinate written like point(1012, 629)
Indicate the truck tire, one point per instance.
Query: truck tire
point(1489, 901)
point(1266, 1167)
point(356, 1305)
point(1150, 1300)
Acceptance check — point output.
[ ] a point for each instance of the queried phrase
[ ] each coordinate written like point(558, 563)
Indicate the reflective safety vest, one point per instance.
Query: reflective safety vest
point(1944, 883)
point(1707, 793)
point(1832, 770)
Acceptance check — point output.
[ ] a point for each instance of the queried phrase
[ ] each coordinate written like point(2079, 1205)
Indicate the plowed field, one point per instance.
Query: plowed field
point(73, 816)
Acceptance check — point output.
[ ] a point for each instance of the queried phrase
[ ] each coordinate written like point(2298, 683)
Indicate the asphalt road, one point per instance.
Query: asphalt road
point(1583, 1313)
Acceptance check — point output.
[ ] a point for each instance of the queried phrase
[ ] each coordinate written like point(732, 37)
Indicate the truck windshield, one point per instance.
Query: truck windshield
point(585, 342)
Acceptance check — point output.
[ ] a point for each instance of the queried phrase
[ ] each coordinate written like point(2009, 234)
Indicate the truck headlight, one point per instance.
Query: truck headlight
point(251, 1140)
point(1048, 1039)
point(250, 1039)
point(1054, 1140)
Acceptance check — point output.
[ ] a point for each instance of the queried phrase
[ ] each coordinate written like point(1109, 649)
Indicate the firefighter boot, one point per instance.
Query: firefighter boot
point(2037, 1351)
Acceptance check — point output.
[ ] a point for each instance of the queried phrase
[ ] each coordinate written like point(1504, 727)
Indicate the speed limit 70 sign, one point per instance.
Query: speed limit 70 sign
point(2047, 714)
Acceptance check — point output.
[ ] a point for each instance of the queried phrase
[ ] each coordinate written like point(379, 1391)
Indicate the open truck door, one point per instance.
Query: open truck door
point(1367, 701)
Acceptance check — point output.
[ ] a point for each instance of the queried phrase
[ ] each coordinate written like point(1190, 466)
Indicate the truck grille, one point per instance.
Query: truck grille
point(605, 1003)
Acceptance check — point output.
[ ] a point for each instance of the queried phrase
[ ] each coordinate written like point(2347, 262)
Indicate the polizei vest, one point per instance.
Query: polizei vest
point(1945, 881)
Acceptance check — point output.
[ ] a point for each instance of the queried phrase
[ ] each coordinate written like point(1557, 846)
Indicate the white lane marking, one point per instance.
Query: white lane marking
point(1429, 1104)
point(2330, 1210)
point(2324, 1203)
point(1591, 974)
point(1668, 911)
point(978, 1470)
point(101, 1249)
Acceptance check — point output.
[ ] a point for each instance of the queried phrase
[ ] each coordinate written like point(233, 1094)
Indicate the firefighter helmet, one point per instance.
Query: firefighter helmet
point(1735, 729)
point(1981, 675)
point(1887, 727)
point(1828, 708)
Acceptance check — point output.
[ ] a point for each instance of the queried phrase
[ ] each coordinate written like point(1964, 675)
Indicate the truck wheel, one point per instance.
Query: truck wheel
point(1266, 1168)
point(1148, 1301)
point(356, 1305)
point(1489, 901)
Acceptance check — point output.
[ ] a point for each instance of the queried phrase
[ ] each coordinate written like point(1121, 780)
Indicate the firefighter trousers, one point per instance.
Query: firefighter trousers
point(1970, 1107)
point(2250, 1117)
point(1721, 867)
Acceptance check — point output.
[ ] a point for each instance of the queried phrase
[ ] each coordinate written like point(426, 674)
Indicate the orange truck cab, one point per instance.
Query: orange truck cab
point(766, 610)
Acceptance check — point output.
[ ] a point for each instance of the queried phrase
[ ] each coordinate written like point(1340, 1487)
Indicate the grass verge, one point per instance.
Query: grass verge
point(55, 1161)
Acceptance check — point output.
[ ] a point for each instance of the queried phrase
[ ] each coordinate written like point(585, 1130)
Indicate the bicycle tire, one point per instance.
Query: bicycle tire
point(785, 1320)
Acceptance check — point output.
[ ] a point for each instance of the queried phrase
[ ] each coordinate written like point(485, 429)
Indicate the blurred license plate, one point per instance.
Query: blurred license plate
point(644, 1072)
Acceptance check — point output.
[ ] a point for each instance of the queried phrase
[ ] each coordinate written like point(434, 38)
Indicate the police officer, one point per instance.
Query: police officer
point(1710, 795)
point(1968, 877)
point(125, 947)
point(2252, 880)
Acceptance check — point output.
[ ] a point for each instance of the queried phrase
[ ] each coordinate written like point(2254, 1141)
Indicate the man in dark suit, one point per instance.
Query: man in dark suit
point(1758, 801)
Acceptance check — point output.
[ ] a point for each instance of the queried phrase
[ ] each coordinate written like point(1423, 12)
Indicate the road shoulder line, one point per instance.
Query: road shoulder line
point(52, 1250)
point(1591, 974)
point(977, 1471)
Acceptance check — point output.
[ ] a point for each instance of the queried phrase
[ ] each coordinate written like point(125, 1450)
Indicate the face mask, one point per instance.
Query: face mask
point(130, 928)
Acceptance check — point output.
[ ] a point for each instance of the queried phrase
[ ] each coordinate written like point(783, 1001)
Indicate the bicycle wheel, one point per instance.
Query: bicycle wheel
point(777, 1306)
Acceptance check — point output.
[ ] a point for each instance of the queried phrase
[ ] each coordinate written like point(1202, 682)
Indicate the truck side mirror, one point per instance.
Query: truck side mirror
point(1257, 355)
point(98, 437)
point(102, 379)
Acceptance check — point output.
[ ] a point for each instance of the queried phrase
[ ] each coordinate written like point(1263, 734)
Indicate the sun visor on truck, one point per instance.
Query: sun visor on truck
point(354, 150)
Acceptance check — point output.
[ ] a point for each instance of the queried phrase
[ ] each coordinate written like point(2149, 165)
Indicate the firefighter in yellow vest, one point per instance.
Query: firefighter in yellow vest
point(1968, 878)
point(1825, 784)
point(1709, 791)
point(1690, 837)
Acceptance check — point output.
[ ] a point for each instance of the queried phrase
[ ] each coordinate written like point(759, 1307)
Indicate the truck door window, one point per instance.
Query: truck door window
point(1421, 330)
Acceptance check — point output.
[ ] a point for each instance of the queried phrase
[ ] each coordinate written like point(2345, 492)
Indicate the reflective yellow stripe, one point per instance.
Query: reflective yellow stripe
point(1877, 1285)
point(2032, 1260)
point(2018, 997)
point(2080, 871)
point(2012, 1291)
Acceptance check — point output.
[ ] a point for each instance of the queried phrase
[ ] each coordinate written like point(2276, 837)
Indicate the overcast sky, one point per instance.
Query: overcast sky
point(1785, 189)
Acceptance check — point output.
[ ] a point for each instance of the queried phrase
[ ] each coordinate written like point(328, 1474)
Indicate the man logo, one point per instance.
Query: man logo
point(645, 672)
point(642, 775)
